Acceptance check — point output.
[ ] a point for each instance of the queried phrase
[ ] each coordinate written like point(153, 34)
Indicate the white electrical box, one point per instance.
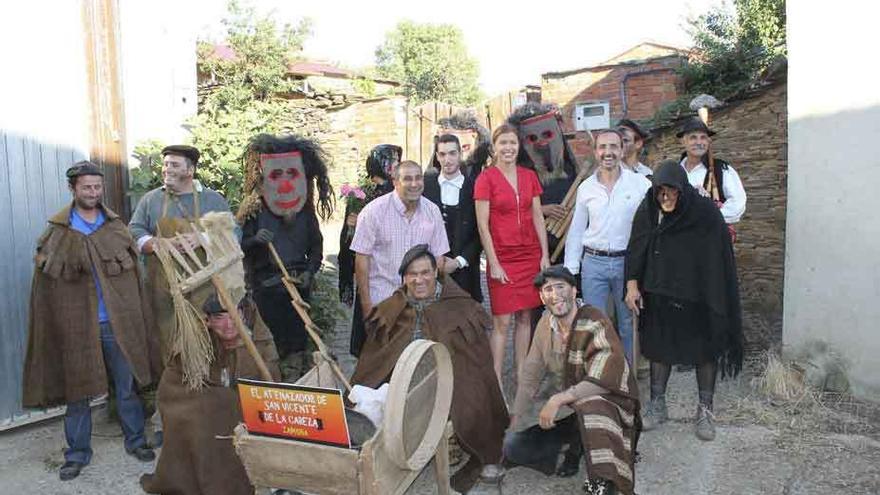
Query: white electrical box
point(592, 115)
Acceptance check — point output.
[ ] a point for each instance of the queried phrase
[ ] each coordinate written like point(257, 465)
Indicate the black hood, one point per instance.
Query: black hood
point(671, 174)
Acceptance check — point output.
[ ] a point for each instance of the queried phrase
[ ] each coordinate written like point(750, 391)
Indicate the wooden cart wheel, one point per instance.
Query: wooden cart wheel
point(417, 407)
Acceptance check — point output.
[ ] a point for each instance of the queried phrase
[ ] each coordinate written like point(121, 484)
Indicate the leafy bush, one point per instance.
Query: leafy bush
point(734, 46)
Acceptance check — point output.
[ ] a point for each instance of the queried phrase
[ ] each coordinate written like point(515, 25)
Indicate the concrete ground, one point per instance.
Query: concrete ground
point(814, 446)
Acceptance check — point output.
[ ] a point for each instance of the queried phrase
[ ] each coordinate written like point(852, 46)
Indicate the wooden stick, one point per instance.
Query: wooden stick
point(232, 308)
point(562, 227)
point(559, 247)
point(300, 306)
point(177, 256)
point(190, 252)
point(635, 361)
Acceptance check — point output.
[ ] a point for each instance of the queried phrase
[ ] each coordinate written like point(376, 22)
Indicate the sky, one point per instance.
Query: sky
point(514, 45)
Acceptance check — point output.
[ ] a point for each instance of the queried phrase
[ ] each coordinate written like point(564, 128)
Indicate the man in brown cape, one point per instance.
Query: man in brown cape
point(87, 318)
point(193, 460)
point(440, 310)
point(587, 386)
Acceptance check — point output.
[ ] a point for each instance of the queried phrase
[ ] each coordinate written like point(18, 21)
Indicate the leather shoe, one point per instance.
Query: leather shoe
point(143, 454)
point(570, 465)
point(70, 470)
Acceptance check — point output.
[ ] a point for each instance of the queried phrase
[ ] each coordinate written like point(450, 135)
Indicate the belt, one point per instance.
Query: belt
point(606, 254)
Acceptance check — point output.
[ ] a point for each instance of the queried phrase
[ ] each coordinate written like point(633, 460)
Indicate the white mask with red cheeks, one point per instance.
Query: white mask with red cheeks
point(543, 139)
point(284, 183)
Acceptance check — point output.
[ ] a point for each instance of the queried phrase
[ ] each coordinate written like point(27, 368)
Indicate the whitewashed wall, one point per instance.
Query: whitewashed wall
point(832, 266)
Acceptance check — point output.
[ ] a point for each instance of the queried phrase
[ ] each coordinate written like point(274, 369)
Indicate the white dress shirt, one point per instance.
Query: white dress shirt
point(603, 220)
point(450, 189)
point(450, 192)
point(731, 185)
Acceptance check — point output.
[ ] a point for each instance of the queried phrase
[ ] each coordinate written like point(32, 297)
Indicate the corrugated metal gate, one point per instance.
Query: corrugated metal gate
point(32, 187)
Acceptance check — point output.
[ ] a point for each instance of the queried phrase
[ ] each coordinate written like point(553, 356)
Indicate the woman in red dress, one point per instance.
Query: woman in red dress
point(507, 198)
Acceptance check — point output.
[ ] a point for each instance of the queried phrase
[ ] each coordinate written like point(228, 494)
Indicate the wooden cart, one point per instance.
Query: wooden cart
point(413, 431)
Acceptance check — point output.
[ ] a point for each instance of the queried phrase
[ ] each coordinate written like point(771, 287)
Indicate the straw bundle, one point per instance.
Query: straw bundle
point(189, 335)
point(221, 265)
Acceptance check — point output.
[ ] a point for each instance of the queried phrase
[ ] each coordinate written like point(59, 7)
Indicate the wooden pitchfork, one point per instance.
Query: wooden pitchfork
point(302, 308)
point(193, 273)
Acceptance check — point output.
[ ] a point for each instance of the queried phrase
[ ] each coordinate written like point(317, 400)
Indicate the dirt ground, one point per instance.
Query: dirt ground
point(824, 445)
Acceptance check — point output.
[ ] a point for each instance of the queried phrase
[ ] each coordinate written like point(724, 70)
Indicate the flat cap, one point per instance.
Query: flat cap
point(629, 124)
point(694, 124)
point(84, 167)
point(190, 152)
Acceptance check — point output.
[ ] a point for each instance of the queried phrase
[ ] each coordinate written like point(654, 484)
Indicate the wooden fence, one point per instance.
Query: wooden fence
point(422, 121)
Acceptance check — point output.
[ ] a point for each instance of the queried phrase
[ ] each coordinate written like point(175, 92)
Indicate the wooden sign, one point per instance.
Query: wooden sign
point(309, 414)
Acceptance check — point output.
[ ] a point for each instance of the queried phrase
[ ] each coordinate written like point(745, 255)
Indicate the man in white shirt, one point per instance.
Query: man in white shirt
point(633, 141)
point(453, 192)
point(724, 186)
point(603, 213)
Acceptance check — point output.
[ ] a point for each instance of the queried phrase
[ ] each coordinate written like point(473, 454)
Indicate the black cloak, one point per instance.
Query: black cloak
point(686, 270)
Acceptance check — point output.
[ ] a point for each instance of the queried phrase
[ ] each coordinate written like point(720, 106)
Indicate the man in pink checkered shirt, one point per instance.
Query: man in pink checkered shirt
point(387, 227)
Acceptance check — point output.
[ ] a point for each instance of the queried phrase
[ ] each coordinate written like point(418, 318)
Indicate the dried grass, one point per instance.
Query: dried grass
point(779, 398)
point(781, 381)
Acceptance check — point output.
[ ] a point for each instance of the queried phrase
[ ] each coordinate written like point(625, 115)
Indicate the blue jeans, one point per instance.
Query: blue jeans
point(601, 276)
point(78, 418)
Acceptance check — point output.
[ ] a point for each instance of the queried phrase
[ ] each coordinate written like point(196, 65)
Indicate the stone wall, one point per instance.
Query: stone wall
point(347, 128)
point(752, 136)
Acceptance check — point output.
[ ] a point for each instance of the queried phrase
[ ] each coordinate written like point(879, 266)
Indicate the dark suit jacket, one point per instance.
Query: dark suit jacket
point(464, 239)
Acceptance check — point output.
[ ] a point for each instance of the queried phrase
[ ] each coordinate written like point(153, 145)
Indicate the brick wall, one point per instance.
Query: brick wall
point(752, 136)
point(649, 85)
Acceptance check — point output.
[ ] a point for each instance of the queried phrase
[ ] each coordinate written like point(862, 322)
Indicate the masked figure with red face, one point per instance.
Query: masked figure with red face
point(283, 176)
point(476, 143)
point(543, 148)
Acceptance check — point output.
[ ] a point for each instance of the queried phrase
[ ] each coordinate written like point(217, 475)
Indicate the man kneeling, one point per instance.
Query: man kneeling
point(193, 461)
point(588, 387)
point(439, 310)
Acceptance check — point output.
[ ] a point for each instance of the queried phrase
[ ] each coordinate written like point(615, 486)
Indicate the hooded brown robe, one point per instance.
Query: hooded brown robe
point(479, 415)
point(64, 360)
point(610, 422)
point(193, 461)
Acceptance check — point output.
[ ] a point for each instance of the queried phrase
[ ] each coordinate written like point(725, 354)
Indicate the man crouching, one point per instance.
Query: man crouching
point(588, 387)
point(439, 310)
point(193, 460)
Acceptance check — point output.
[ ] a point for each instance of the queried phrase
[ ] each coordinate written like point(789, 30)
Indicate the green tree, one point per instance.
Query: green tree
point(735, 45)
point(240, 96)
point(432, 62)
point(242, 93)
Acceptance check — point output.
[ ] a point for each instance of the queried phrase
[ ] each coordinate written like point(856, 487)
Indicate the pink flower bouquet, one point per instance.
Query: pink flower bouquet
point(355, 197)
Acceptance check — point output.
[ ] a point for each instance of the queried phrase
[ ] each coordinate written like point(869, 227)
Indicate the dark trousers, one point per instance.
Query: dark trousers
point(538, 448)
point(78, 418)
point(358, 329)
point(288, 329)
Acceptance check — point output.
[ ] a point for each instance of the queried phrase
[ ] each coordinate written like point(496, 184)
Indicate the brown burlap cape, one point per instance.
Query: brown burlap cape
point(193, 461)
point(610, 422)
point(478, 413)
point(64, 360)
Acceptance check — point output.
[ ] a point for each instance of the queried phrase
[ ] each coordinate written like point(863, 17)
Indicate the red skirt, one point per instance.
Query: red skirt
point(522, 264)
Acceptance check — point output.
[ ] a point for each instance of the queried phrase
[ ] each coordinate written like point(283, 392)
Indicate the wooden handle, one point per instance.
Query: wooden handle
point(559, 247)
point(300, 306)
point(558, 227)
point(232, 308)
